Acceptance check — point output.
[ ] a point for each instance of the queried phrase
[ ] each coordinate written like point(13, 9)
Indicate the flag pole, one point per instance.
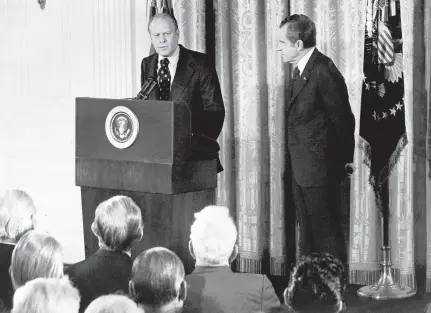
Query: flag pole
point(382, 69)
point(153, 11)
point(386, 288)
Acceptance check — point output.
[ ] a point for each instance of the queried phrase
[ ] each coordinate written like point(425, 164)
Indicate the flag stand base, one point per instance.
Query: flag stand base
point(386, 288)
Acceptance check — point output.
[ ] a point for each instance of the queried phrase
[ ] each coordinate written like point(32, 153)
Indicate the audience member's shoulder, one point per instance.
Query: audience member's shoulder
point(75, 268)
point(6, 250)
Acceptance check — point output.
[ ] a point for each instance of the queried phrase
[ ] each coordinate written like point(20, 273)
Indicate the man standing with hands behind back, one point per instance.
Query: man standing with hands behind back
point(186, 76)
point(320, 139)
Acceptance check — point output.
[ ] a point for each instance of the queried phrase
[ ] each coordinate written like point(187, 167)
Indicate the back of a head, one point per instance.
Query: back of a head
point(17, 214)
point(157, 278)
point(36, 255)
point(300, 27)
point(213, 235)
point(118, 223)
point(46, 295)
point(113, 304)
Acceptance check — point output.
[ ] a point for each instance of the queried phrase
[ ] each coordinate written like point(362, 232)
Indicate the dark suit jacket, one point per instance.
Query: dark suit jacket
point(320, 124)
point(103, 273)
point(218, 289)
point(6, 289)
point(195, 83)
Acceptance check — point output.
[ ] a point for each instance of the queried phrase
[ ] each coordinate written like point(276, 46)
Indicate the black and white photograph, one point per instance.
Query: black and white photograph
point(215, 156)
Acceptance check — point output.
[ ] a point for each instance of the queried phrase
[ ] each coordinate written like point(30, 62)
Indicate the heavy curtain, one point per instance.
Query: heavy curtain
point(240, 36)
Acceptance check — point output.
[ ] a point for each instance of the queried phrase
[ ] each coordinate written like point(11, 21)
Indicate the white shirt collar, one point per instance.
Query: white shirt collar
point(303, 62)
point(173, 59)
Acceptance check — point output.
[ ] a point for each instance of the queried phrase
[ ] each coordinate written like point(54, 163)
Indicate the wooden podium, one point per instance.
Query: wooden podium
point(154, 170)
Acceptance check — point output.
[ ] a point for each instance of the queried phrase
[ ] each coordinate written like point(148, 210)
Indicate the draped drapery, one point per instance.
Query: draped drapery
point(240, 36)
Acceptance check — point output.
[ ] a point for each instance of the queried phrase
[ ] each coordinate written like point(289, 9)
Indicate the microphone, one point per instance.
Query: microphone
point(142, 93)
point(149, 89)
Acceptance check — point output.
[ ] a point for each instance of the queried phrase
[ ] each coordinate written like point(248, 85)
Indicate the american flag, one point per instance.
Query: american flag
point(384, 45)
point(153, 11)
point(382, 125)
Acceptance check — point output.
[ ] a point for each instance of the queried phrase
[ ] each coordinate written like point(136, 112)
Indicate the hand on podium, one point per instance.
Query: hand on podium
point(205, 148)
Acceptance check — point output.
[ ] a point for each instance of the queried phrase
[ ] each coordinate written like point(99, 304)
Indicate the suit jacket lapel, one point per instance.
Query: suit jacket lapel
point(152, 66)
point(183, 73)
point(151, 70)
point(303, 79)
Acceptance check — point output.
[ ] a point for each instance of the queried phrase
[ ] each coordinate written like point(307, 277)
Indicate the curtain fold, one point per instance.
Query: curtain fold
point(253, 81)
point(252, 139)
point(427, 39)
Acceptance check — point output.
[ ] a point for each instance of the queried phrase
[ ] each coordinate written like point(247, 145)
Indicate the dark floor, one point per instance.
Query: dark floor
point(307, 304)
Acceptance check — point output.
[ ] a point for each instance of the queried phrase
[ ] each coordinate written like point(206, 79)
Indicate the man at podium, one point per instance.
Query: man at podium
point(188, 76)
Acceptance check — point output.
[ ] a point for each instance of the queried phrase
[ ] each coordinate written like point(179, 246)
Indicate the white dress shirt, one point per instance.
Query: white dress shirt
point(303, 62)
point(173, 62)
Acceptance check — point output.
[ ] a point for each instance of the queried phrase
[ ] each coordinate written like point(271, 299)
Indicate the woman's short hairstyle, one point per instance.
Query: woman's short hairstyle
point(46, 295)
point(36, 255)
point(157, 275)
point(118, 223)
point(213, 235)
point(300, 27)
point(17, 214)
point(113, 304)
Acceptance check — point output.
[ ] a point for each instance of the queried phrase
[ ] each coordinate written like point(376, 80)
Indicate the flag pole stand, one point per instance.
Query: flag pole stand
point(386, 288)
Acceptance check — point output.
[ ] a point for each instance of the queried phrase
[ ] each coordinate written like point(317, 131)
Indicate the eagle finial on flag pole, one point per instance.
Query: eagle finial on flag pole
point(166, 7)
point(152, 7)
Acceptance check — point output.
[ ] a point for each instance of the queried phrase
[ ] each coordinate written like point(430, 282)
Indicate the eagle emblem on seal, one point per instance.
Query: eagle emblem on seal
point(121, 127)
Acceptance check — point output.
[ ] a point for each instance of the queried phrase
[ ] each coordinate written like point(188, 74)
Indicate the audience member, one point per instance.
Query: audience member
point(113, 304)
point(157, 283)
point(36, 255)
point(117, 225)
point(17, 216)
point(46, 295)
point(213, 286)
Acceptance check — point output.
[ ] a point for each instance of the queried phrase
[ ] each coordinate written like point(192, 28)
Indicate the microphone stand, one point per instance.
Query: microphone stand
point(148, 90)
point(141, 93)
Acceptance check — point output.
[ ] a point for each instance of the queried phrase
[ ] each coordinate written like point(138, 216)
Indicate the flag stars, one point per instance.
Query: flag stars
point(385, 115)
point(367, 86)
point(399, 105)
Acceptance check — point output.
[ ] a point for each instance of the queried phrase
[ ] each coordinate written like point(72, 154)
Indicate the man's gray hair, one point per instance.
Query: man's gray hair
point(157, 276)
point(113, 304)
point(118, 223)
point(163, 16)
point(213, 235)
point(36, 255)
point(17, 213)
point(46, 295)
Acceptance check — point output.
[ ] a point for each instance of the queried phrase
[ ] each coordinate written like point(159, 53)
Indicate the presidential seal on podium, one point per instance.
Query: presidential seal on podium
point(121, 127)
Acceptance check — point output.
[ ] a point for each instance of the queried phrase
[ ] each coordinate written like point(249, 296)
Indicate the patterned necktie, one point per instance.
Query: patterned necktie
point(164, 77)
